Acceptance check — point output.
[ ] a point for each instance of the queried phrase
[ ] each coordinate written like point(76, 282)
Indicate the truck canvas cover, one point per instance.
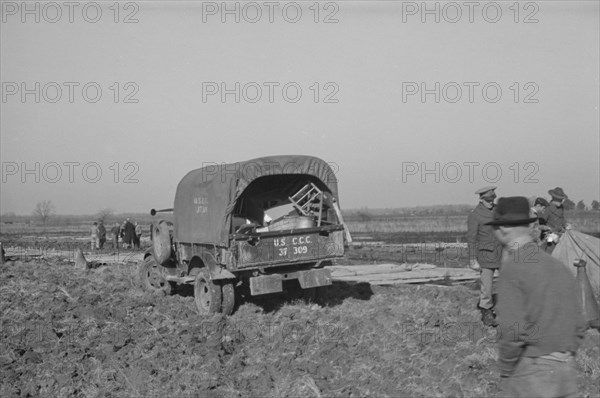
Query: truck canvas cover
point(206, 198)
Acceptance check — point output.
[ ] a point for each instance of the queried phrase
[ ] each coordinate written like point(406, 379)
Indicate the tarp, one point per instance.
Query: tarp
point(577, 245)
point(206, 197)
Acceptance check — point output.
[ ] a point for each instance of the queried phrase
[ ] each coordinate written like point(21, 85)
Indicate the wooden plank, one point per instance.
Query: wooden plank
point(424, 280)
point(381, 274)
point(368, 269)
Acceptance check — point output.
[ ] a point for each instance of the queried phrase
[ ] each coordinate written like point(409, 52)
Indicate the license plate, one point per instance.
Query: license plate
point(295, 247)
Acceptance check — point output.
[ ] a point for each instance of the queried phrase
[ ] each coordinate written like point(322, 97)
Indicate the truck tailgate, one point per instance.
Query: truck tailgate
point(289, 247)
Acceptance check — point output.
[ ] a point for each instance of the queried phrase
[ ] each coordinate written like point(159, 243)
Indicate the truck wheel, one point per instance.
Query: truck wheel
point(207, 294)
point(228, 291)
point(151, 278)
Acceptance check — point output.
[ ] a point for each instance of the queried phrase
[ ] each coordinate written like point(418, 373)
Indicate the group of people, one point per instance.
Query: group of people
point(535, 309)
point(130, 234)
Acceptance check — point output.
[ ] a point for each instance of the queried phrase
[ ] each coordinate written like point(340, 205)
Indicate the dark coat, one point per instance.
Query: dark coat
point(536, 295)
point(128, 233)
point(554, 217)
point(483, 245)
point(102, 231)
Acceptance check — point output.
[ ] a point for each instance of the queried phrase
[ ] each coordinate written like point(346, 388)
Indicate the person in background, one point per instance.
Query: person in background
point(138, 235)
point(94, 236)
point(128, 233)
point(485, 252)
point(122, 233)
point(538, 228)
point(554, 218)
point(115, 231)
point(539, 320)
point(101, 234)
point(538, 208)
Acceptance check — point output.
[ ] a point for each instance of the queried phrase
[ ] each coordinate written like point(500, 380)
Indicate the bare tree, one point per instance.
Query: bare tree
point(104, 214)
point(43, 210)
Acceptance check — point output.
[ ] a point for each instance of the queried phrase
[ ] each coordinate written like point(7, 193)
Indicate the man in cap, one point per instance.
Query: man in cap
point(485, 251)
point(554, 218)
point(539, 319)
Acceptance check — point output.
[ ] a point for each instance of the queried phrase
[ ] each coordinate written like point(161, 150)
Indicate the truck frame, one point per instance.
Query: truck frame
point(222, 238)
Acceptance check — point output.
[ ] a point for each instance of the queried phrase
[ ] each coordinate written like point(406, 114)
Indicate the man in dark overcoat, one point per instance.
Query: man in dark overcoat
point(128, 233)
point(485, 252)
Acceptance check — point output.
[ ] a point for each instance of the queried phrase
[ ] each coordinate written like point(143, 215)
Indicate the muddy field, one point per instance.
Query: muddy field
point(94, 333)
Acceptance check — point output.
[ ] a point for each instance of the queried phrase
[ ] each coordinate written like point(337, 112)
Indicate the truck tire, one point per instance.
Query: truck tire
point(150, 277)
point(207, 294)
point(161, 241)
point(228, 292)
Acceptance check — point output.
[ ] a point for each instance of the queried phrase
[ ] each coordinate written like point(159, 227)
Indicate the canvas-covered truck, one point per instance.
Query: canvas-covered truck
point(227, 231)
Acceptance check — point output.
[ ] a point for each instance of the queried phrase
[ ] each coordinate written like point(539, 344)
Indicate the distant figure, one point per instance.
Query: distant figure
point(101, 235)
point(539, 320)
point(128, 232)
point(554, 218)
point(138, 235)
point(485, 251)
point(94, 240)
point(115, 231)
point(538, 227)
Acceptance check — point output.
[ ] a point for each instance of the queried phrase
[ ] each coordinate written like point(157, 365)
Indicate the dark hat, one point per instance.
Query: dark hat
point(558, 193)
point(513, 210)
point(541, 201)
point(486, 193)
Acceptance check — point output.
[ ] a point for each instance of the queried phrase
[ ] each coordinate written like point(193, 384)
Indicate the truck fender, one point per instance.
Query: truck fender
point(215, 271)
point(221, 273)
point(162, 241)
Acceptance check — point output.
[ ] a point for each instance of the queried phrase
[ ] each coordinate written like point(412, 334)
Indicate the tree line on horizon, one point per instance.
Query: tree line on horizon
point(45, 210)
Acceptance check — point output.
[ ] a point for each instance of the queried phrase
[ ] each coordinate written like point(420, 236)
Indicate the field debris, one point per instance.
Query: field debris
point(80, 261)
point(95, 333)
point(75, 255)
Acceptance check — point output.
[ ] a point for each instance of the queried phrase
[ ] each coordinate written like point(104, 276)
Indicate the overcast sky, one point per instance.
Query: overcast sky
point(525, 118)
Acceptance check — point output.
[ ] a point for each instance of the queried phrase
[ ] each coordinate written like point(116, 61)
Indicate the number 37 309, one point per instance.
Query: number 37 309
point(296, 250)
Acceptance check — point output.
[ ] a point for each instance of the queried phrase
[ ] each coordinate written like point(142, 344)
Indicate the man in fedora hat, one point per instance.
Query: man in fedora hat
point(554, 218)
point(484, 251)
point(539, 320)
